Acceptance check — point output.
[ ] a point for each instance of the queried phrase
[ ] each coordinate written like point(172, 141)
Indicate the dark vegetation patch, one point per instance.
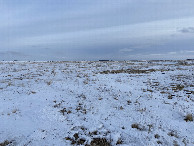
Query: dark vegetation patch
point(133, 71)
point(182, 62)
point(173, 134)
point(178, 87)
point(138, 126)
point(130, 71)
point(119, 141)
point(93, 133)
point(100, 142)
point(57, 105)
point(76, 140)
point(63, 110)
point(189, 92)
point(159, 142)
point(150, 90)
point(81, 141)
point(129, 102)
point(157, 136)
point(188, 117)
point(170, 96)
point(5, 143)
point(89, 138)
point(175, 143)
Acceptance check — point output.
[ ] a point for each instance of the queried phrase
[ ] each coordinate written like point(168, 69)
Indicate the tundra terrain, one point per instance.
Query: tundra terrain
point(97, 103)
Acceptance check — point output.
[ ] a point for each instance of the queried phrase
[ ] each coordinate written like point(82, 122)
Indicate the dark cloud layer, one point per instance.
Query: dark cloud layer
point(187, 30)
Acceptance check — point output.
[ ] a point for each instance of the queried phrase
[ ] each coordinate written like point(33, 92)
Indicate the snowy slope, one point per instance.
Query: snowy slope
point(97, 103)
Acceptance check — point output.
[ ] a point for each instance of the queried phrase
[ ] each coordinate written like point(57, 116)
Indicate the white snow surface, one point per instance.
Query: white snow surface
point(49, 103)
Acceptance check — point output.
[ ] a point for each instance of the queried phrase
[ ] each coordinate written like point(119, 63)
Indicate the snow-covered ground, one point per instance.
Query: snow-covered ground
point(97, 103)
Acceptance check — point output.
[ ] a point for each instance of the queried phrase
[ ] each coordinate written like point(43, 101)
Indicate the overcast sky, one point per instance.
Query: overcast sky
point(96, 29)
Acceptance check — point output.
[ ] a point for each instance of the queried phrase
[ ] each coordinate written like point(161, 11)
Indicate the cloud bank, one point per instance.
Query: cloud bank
point(92, 30)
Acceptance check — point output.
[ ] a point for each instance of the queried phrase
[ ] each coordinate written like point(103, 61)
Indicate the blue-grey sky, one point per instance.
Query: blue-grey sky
point(96, 29)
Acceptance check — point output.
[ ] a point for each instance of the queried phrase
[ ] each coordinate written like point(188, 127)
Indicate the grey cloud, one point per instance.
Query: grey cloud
point(187, 30)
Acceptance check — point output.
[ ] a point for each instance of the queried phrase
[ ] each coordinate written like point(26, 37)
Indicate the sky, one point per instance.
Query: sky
point(96, 29)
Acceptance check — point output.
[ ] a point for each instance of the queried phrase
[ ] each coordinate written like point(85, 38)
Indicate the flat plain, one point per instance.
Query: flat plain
point(97, 103)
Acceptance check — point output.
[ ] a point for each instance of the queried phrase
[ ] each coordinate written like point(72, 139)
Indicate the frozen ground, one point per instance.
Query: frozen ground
point(97, 103)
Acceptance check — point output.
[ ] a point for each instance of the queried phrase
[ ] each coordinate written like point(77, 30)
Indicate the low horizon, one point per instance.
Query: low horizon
point(103, 60)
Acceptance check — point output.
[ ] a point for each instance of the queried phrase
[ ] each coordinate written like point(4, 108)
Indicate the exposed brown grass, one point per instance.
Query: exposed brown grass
point(5, 143)
point(100, 142)
point(130, 71)
point(188, 117)
point(137, 126)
